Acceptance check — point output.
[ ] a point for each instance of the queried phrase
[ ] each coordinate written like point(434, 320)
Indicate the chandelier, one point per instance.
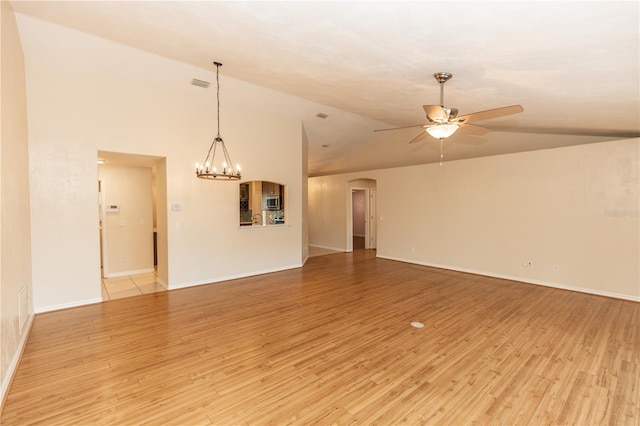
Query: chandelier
point(208, 168)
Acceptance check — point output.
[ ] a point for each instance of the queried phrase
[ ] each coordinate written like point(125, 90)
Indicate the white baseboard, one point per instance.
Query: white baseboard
point(327, 247)
point(162, 283)
point(126, 273)
point(11, 370)
point(233, 277)
point(520, 279)
point(67, 305)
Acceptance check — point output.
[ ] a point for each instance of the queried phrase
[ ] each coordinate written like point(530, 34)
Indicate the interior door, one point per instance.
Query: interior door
point(372, 222)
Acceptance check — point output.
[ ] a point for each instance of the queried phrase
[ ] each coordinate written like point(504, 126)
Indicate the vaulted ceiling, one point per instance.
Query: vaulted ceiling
point(572, 65)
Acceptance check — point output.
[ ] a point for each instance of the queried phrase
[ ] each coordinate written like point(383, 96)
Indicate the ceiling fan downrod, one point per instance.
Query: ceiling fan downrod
point(442, 78)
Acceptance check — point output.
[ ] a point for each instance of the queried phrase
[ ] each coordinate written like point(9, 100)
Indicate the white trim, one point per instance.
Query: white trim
point(341, 250)
point(267, 226)
point(305, 259)
point(127, 273)
point(233, 277)
point(68, 305)
point(359, 235)
point(520, 279)
point(11, 370)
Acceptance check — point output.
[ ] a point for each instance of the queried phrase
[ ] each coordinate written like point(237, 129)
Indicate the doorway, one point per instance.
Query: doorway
point(361, 211)
point(130, 188)
point(359, 218)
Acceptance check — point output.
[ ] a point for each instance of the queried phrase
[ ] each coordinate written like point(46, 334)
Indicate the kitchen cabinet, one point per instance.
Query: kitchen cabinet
point(270, 188)
point(244, 196)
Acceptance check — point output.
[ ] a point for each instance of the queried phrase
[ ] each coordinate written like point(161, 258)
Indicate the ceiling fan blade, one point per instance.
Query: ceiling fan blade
point(474, 129)
point(403, 127)
point(435, 113)
point(419, 137)
point(490, 113)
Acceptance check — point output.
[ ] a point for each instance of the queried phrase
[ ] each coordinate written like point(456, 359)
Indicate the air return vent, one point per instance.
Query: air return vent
point(200, 83)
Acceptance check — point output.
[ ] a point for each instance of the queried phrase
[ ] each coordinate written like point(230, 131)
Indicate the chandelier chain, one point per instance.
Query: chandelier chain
point(218, 93)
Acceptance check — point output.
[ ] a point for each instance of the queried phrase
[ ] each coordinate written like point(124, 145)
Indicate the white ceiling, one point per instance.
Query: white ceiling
point(572, 65)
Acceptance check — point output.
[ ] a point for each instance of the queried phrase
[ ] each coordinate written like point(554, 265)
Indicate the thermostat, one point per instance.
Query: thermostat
point(113, 208)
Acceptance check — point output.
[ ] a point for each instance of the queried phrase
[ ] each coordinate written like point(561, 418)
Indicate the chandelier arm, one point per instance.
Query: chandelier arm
point(215, 147)
point(227, 158)
point(208, 154)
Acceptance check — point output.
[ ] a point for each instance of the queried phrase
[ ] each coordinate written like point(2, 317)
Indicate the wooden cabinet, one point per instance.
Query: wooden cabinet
point(244, 192)
point(270, 188)
point(244, 196)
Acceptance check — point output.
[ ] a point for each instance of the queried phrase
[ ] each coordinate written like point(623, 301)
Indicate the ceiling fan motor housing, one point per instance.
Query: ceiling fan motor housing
point(442, 77)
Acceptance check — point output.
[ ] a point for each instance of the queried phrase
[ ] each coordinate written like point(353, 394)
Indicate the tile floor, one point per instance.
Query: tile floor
point(131, 285)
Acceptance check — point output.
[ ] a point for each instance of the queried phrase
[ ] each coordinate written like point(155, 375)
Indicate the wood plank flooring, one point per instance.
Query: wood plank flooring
point(331, 343)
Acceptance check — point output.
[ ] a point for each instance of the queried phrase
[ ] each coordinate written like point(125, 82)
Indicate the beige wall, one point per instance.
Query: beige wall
point(128, 234)
point(87, 95)
point(16, 305)
point(330, 214)
point(575, 208)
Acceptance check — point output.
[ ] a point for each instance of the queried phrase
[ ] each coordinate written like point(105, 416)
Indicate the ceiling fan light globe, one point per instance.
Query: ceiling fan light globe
point(442, 131)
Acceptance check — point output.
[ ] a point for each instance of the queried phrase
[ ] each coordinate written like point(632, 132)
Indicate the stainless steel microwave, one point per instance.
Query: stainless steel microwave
point(272, 202)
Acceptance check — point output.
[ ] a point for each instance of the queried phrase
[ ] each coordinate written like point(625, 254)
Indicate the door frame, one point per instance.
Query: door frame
point(370, 213)
point(366, 218)
point(372, 206)
point(102, 224)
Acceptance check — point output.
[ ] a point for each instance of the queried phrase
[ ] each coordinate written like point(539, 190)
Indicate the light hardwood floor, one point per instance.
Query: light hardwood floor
point(332, 343)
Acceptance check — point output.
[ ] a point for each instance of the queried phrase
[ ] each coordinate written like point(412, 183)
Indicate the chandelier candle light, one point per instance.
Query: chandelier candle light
point(208, 169)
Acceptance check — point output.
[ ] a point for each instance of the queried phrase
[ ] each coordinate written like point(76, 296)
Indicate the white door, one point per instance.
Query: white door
point(372, 222)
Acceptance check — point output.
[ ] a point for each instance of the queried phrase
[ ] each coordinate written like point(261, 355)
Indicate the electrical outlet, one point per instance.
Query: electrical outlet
point(211, 265)
point(556, 268)
point(124, 259)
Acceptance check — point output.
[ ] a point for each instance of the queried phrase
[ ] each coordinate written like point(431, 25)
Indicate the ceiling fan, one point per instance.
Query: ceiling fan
point(444, 121)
